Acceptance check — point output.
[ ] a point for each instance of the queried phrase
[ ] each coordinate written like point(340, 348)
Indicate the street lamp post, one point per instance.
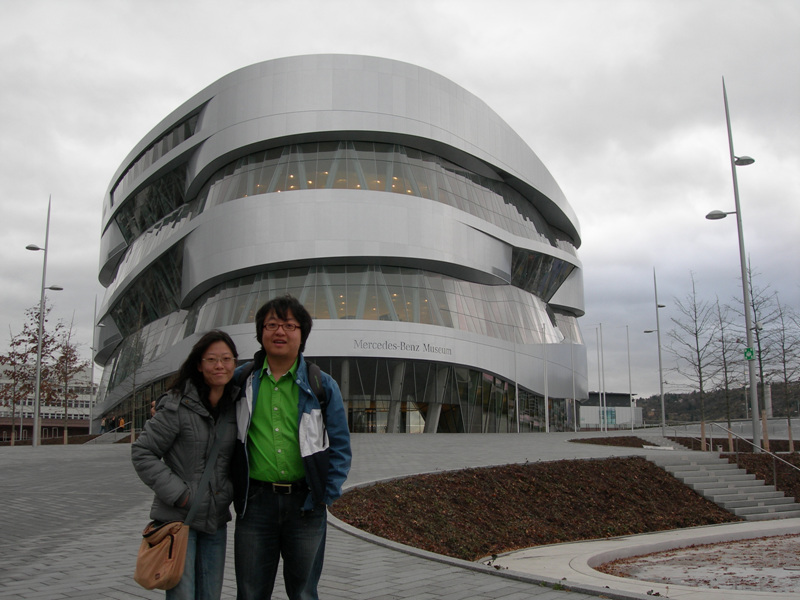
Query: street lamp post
point(92, 350)
point(741, 161)
point(657, 331)
point(630, 381)
point(35, 440)
point(603, 399)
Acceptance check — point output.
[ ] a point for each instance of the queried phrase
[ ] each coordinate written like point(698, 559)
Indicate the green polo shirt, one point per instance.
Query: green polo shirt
point(272, 442)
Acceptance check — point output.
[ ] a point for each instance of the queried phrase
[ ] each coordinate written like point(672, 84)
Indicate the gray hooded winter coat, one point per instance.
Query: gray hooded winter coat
point(182, 433)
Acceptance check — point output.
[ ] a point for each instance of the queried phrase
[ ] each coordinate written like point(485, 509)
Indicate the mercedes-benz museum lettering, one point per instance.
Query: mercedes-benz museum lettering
point(434, 250)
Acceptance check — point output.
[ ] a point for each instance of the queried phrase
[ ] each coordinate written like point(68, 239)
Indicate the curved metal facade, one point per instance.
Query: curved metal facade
point(434, 250)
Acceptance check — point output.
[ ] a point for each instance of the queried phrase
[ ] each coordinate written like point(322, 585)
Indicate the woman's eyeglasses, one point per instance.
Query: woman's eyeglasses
point(225, 360)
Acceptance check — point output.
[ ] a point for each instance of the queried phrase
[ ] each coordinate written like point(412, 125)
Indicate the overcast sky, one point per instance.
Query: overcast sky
point(621, 99)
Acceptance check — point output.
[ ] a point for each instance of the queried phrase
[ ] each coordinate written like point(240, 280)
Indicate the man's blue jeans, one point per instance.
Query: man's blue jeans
point(275, 526)
point(205, 566)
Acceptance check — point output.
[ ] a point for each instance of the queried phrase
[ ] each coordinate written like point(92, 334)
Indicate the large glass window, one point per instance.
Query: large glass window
point(128, 366)
point(145, 243)
point(357, 165)
point(383, 293)
point(154, 294)
point(384, 168)
point(152, 204)
point(406, 396)
point(538, 273)
point(175, 136)
point(409, 396)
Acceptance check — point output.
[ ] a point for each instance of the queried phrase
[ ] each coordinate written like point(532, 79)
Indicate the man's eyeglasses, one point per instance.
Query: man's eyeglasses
point(287, 327)
point(225, 360)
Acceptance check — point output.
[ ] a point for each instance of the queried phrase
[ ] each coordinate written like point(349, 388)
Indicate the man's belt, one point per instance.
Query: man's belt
point(295, 487)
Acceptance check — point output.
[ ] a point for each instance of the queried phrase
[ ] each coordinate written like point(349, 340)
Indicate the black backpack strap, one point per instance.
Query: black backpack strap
point(241, 379)
point(315, 380)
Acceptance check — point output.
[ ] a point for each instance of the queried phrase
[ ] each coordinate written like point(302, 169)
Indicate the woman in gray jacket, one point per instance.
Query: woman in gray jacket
point(170, 457)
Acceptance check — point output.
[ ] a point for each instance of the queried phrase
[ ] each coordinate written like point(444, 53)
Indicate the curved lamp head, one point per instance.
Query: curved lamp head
point(33, 247)
point(718, 214)
point(55, 288)
point(743, 161)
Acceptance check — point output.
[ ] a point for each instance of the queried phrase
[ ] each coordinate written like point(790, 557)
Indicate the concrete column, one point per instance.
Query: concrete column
point(393, 418)
point(344, 386)
point(434, 396)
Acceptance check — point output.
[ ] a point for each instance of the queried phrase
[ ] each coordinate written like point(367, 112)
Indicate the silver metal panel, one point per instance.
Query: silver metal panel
point(570, 294)
point(304, 226)
point(522, 363)
point(288, 97)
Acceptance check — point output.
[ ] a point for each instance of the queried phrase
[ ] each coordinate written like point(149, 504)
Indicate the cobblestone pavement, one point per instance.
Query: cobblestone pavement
point(73, 516)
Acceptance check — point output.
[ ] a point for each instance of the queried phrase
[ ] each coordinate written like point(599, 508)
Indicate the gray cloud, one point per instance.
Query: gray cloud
point(621, 99)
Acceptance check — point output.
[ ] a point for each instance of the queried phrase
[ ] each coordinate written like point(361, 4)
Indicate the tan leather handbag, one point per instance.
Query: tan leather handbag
point(162, 555)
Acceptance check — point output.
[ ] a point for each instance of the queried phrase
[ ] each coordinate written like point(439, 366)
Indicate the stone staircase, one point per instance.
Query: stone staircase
point(110, 437)
point(726, 485)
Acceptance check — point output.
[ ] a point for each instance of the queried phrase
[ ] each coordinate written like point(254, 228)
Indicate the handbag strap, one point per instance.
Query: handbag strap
point(212, 459)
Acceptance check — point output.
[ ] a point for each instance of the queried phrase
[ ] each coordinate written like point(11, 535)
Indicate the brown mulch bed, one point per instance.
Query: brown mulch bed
point(475, 513)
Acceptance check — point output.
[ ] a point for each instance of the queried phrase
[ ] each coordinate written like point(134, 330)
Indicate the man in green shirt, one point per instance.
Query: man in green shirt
point(293, 455)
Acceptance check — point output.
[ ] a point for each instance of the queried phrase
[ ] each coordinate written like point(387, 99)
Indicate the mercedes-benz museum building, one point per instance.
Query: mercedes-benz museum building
point(434, 250)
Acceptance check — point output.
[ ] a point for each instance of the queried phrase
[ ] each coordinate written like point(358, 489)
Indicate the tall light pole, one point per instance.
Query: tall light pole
point(35, 440)
point(546, 393)
point(657, 331)
point(91, 372)
point(741, 161)
point(630, 381)
point(603, 407)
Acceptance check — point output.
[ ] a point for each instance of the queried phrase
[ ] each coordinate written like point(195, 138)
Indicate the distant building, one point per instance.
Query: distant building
point(617, 414)
point(434, 250)
point(51, 415)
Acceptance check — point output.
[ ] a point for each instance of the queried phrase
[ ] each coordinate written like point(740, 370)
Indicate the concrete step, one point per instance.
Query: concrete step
point(757, 510)
point(682, 461)
point(709, 477)
point(663, 442)
point(675, 444)
point(110, 437)
point(777, 501)
point(768, 516)
point(710, 467)
point(724, 499)
point(741, 487)
point(728, 486)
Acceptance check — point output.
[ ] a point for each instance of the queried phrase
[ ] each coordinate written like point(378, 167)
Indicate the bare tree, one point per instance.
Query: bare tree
point(765, 315)
point(14, 360)
point(725, 360)
point(23, 355)
point(67, 364)
point(692, 343)
point(788, 346)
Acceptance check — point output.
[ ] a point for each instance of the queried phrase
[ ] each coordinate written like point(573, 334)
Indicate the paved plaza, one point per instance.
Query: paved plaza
point(73, 516)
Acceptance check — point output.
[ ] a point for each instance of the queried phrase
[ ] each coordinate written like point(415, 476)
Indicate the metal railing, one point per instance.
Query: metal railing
point(774, 456)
